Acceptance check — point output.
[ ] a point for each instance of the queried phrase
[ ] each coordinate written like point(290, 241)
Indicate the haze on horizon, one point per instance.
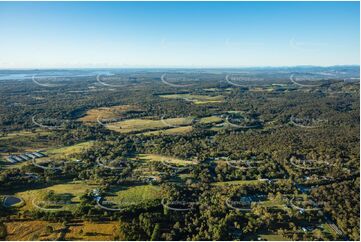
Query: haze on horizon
point(178, 34)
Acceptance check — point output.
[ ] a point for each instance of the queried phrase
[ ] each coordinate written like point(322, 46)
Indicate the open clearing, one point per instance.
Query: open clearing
point(171, 131)
point(23, 134)
point(36, 230)
point(93, 231)
point(196, 99)
point(210, 119)
point(245, 182)
point(160, 158)
point(68, 151)
point(134, 195)
point(157, 127)
point(137, 125)
point(273, 237)
point(75, 189)
point(92, 115)
point(31, 230)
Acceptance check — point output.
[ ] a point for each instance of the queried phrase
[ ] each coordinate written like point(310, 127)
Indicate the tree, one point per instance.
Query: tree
point(156, 233)
point(49, 229)
point(3, 232)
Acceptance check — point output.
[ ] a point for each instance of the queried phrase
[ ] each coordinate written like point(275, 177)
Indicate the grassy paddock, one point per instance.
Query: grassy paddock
point(68, 151)
point(171, 131)
point(92, 115)
point(134, 194)
point(31, 230)
point(81, 230)
point(168, 159)
point(245, 182)
point(137, 125)
point(75, 189)
point(196, 99)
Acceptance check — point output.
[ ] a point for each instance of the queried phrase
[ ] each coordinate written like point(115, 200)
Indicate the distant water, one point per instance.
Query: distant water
point(29, 75)
point(14, 76)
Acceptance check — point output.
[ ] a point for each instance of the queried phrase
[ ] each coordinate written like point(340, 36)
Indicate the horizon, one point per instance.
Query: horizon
point(102, 35)
point(161, 67)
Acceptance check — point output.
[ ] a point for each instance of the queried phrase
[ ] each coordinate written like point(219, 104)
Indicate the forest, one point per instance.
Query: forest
point(181, 155)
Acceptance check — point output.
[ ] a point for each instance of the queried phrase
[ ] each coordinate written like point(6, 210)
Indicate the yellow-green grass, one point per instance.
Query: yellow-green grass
point(210, 119)
point(171, 131)
point(137, 125)
point(186, 176)
point(262, 89)
point(196, 99)
point(184, 129)
point(217, 128)
point(273, 237)
point(31, 230)
point(68, 151)
point(207, 102)
point(244, 182)
point(92, 115)
point(328, 229)
point(274, 203)
point(213, 89)
point(8, 165)
point(93, 231)
point(76, 189)
point(23, 134)
point(132, 195)
point(81, 230)
point(168, 159)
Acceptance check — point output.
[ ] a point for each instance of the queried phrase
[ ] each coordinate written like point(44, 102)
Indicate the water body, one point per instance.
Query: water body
point(27, 75)
point(11, 200)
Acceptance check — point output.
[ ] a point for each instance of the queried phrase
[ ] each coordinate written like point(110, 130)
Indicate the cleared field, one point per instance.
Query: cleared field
point(184, 129)
point(160, 158)
point(210, 119)
point(92, 115)
point(68, 151)
point(31, 230)
point(24, 134)
point(245, 182)
point(134, 195)
point(196, 99)
point(36, 230)
point(74, 189)
point(137, 125)
point(273, 237)
point(95, 231)
point(262, 89)
point(171, 131)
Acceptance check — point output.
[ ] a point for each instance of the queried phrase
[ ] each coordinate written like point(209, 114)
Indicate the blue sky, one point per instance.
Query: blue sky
point(178, 34)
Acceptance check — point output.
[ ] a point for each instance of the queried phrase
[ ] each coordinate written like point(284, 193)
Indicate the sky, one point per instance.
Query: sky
point(178, 34)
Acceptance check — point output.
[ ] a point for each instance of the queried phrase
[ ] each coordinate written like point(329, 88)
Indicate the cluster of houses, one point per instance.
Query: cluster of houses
point(24, 157)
